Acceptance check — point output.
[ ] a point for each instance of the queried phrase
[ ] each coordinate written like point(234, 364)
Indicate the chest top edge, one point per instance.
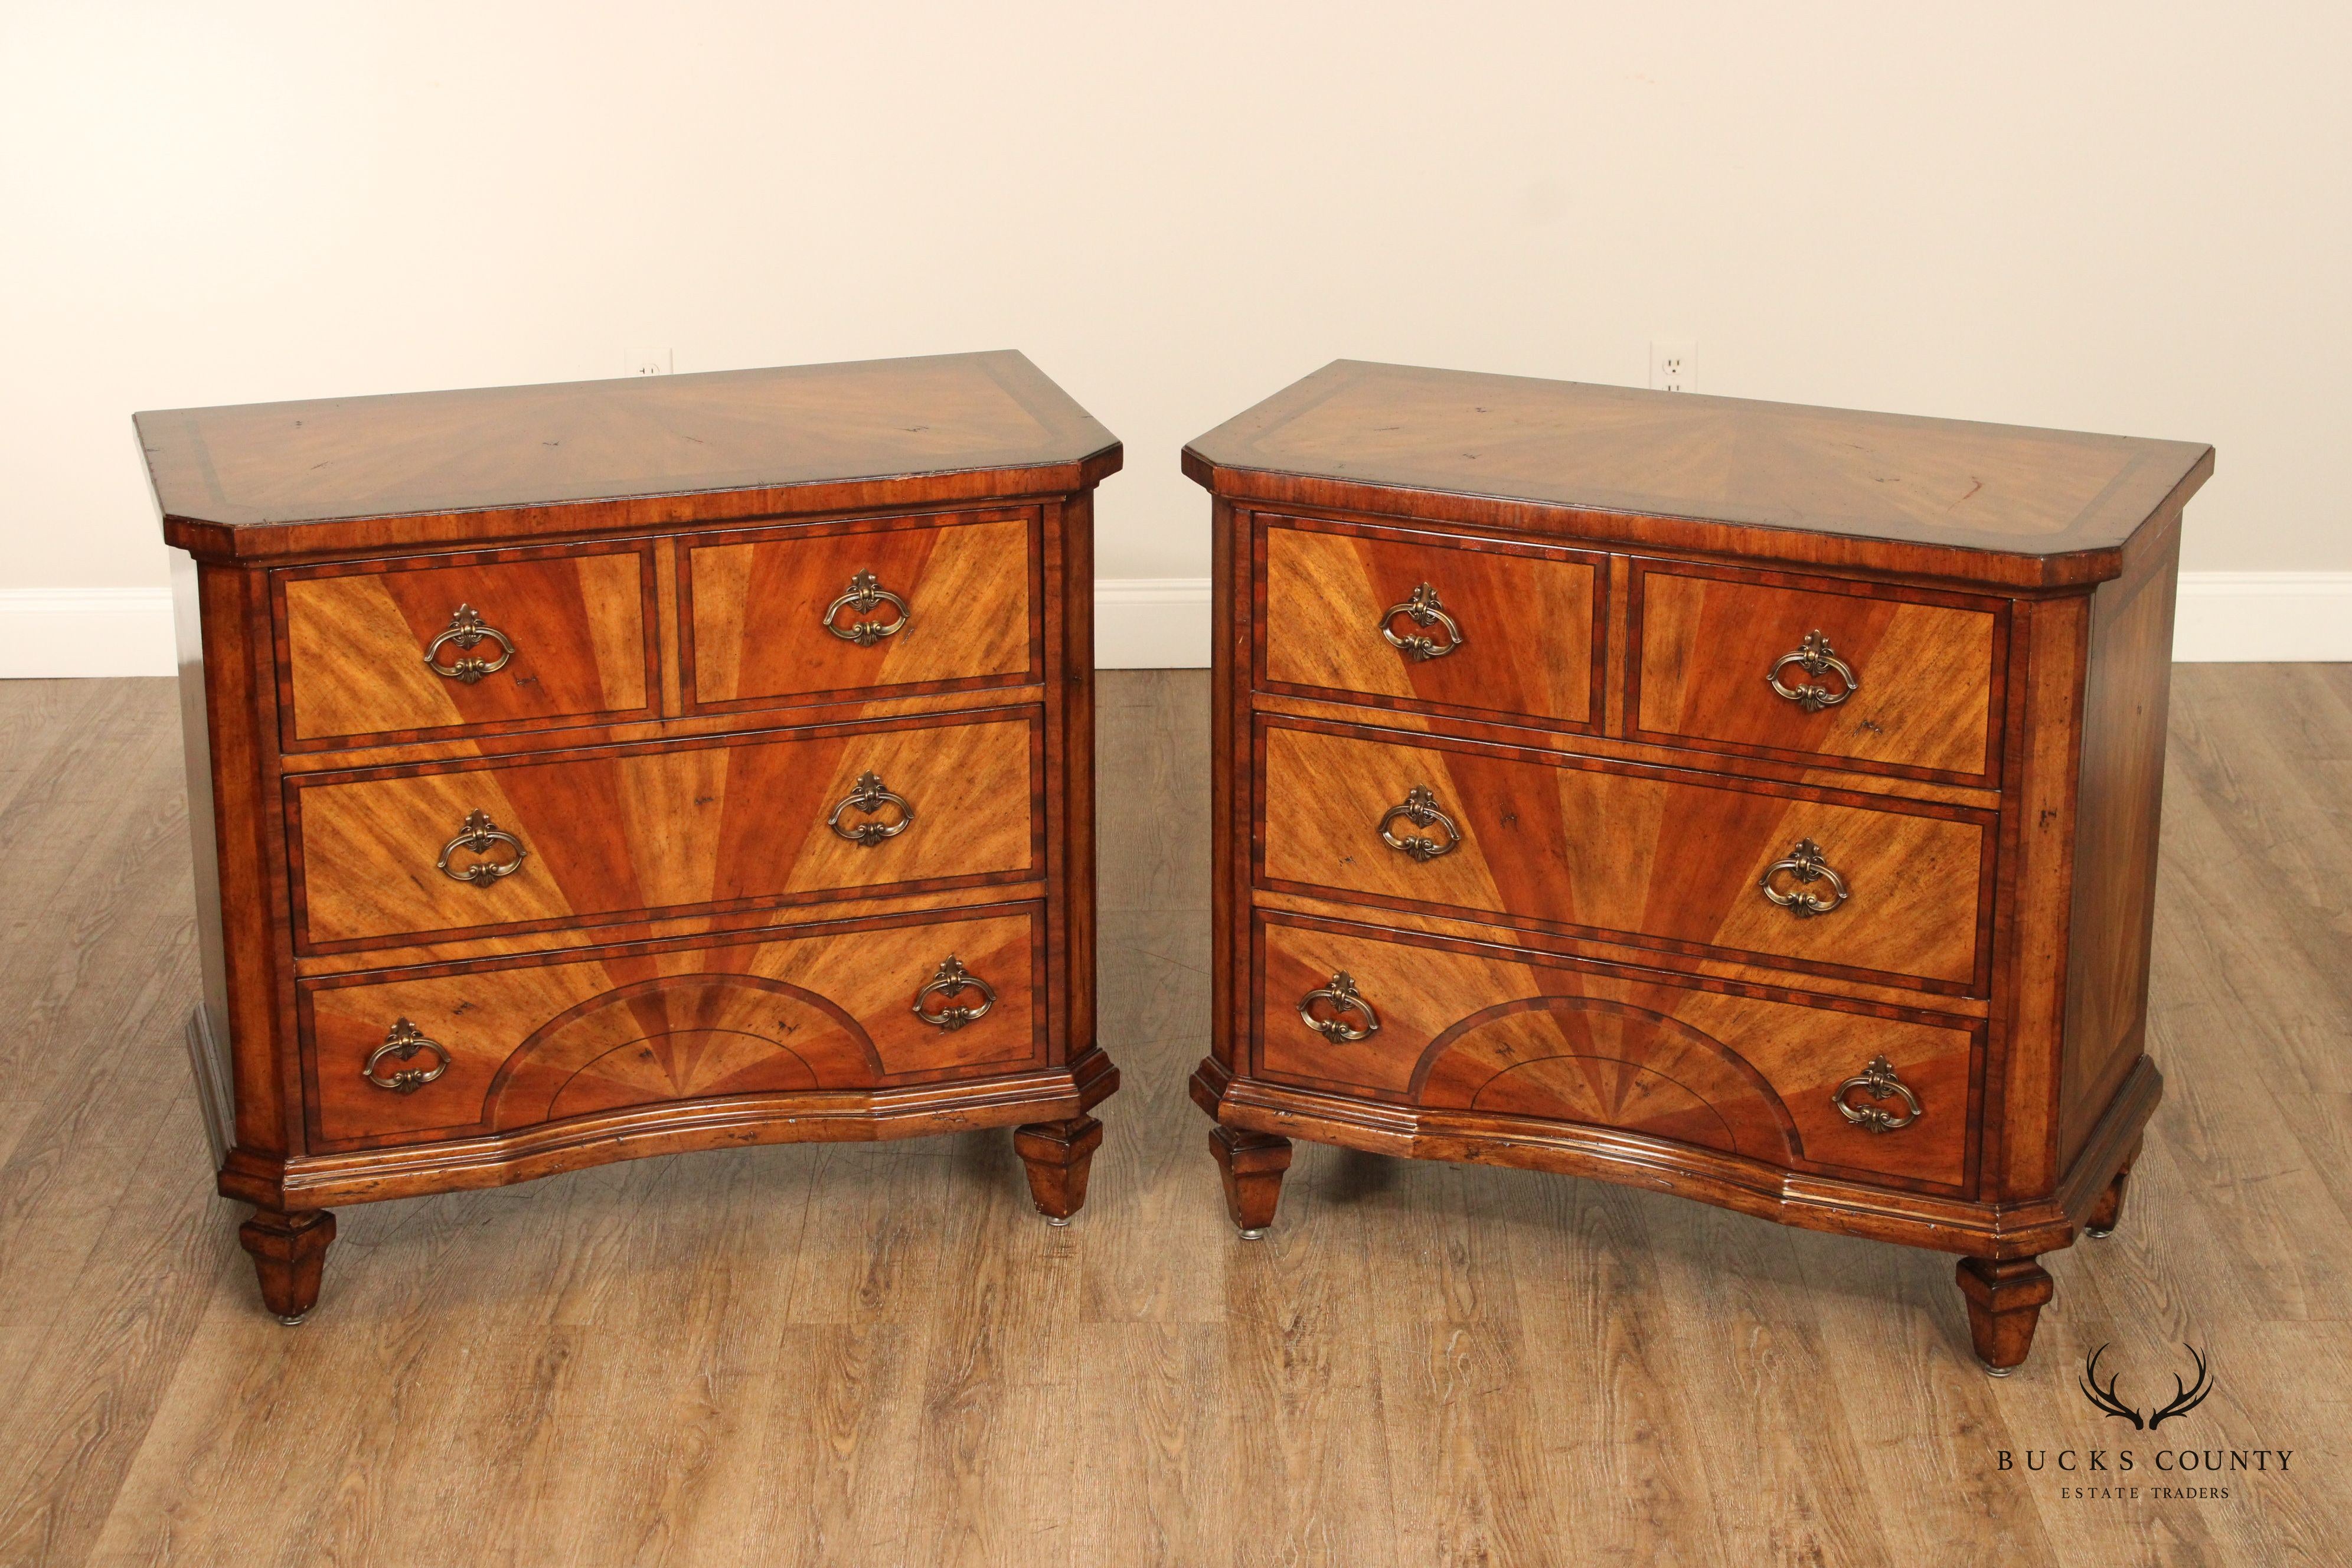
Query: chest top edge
point(263, 480)
point(1786, 546)
point(558, 523)
point(2001, 503)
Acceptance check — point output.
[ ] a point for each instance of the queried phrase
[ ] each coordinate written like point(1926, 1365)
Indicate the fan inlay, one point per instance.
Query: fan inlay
point(1572, 1059)
point(681, 1038)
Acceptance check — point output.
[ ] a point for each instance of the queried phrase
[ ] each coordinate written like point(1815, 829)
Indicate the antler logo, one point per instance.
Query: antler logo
point(2184, 1398)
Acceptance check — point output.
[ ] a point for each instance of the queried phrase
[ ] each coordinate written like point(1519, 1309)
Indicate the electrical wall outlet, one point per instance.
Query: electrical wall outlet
point(1669, 363)
point(649, 362)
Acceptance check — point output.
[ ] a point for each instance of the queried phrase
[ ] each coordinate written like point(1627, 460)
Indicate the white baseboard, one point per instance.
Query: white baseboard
point(50, 632)
point(1151, 622)
point(1162, 623)
point(2262, 617)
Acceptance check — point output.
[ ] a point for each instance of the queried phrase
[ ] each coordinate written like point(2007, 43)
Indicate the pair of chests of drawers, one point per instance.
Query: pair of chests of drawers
point(500, 763)
point(1675, 847)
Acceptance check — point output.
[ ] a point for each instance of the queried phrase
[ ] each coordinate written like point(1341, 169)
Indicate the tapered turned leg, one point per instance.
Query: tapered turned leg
point(1252, 1165)
point(2006, 1296)
point(290, 1252)
point(1057, 1154)
point(2101, 1223)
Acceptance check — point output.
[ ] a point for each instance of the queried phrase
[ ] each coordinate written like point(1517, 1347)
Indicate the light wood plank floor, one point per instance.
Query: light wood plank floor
point(858, 1355)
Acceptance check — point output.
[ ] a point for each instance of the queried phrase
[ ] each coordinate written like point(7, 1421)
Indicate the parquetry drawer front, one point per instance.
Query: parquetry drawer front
point(440, 645)
point(728, 822)
point(1894, 679)
point(939, 603)
point(491, 1048)
point(1485, 1030)
point(1893, 887)
point(1423, 621)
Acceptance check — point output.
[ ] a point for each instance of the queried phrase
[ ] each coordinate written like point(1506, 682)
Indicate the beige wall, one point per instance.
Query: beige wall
point(2124, 218)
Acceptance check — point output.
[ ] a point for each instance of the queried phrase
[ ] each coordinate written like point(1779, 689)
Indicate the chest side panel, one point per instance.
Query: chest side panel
point(2125, 697)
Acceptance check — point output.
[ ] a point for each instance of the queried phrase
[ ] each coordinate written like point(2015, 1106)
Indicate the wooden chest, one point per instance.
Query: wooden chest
point(1751, 802)
point(590, 771)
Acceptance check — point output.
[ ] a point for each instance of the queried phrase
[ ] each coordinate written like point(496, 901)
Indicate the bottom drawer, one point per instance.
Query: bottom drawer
point(510, 1043)
point(1464, 1026)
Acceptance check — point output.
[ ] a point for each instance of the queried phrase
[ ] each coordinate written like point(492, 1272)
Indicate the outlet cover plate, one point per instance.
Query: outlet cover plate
point(1671, 364)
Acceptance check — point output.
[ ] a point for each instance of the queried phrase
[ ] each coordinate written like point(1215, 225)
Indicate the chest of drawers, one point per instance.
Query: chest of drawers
point(620, 768)
point(1749, 802)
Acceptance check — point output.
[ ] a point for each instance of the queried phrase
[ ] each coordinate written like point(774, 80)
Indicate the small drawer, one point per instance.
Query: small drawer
point(469, 1050)
point(903, 606)
point(395, 854)
point(440, 645)
point(1431, 622)
point(1467, 1027)
point(1888, 679)
point(1658, 857)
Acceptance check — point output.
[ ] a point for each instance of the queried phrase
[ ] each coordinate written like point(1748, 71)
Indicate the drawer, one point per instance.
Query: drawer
point(607, 833)
point(1904, 680)
point(1464, 1026)
point(1431, 623)
point(1659, 857)
point(908, 604)
point(439, 645)
point(517, 1042)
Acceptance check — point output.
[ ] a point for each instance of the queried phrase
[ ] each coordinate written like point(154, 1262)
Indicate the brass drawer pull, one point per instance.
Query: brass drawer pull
point(865, 595)
point(1419, 808)
point(401, 1040)
point(1816, 659)
point(466, 629)
point(1804, 865)
point(1878, 1081)
point(1343, 1000)
point(953, 979)
point(480, 834)
point(1424, 610)
point(870, 797)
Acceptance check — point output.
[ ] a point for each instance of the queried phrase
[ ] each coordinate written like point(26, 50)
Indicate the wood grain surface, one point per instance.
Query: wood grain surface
point(1672, 856)
point(1831, 471)
point(506, 453)
point(576, 630)
point(2115, 842)
point(1755, 767)
point(868, 1356)
point(1707, 644)
point(614, 831)
point(754, 622)
point(1464, 1030)
point(533, 1040)
point(1524, 621)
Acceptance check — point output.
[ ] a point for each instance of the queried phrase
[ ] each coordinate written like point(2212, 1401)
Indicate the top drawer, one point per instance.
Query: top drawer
point(773, 616)
point(1404, 619)
point(1870, 676)
point(437, 645)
